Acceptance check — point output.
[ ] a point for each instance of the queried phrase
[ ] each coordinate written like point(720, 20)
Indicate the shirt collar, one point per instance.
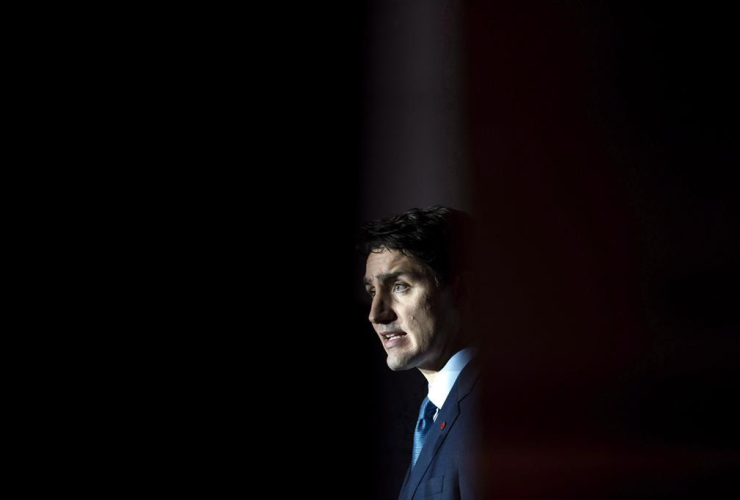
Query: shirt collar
point(445, 379)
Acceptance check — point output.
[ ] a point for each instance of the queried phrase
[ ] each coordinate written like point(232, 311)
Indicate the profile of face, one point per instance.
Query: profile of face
point(415, 319)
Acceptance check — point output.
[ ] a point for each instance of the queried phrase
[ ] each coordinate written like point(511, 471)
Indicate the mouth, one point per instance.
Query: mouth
point(391, 339)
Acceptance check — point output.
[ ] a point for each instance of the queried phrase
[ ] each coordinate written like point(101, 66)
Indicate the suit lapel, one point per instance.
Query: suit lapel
point(448, 414)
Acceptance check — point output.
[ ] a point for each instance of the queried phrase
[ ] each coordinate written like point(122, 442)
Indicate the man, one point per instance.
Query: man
point(417, 276)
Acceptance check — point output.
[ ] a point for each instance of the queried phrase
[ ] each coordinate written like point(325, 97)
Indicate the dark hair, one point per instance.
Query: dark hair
point(436, 236)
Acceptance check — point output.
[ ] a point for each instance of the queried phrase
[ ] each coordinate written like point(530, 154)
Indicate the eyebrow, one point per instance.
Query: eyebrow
point(388, 276)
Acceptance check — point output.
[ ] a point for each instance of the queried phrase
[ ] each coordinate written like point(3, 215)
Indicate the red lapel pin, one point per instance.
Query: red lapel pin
point(442, 426)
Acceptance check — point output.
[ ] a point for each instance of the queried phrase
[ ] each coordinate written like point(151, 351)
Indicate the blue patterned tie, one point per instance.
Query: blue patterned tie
point(426, 414)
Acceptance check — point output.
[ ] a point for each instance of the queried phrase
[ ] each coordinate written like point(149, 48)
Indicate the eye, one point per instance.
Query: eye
point(370, 292)
point(400, 287)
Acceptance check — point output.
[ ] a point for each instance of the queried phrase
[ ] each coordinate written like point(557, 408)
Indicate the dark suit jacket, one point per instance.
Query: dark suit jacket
point(446, 468)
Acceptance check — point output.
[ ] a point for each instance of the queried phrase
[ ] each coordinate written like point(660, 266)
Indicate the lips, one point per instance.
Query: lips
point(393, 338)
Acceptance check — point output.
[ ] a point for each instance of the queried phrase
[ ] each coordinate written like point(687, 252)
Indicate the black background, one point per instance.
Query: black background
point(603, 142)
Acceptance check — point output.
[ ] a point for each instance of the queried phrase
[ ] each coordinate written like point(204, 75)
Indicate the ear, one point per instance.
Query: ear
point(462, 286)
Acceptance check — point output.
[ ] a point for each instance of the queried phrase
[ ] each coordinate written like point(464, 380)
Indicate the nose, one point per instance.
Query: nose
point(381, 310)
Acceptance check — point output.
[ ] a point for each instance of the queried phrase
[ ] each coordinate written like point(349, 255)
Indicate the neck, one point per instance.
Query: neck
point(430, 375)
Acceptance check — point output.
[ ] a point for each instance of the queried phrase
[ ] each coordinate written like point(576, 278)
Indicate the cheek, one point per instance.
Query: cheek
point(420, 318)
point(423, 319)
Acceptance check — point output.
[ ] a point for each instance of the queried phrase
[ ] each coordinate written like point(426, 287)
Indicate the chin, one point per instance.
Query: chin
point(399, 365)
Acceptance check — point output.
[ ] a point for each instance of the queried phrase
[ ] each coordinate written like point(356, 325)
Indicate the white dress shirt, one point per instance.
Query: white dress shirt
point(445, 379)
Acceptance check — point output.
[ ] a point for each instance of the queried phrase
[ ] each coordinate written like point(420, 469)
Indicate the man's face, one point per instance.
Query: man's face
point(414, 318)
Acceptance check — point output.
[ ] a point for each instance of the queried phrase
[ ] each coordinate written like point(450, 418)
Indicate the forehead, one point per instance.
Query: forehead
point(386, 261)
